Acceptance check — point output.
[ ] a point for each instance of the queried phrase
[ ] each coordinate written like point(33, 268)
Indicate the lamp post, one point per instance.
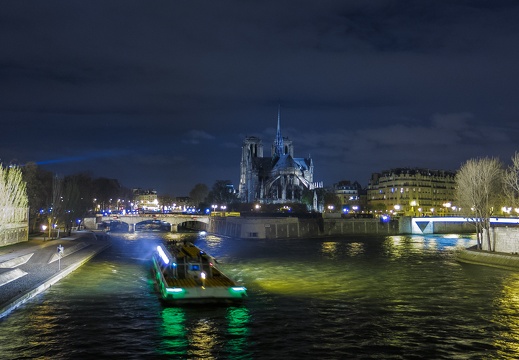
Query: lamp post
point(43, 228)
point(413, 203)
point(447, 207)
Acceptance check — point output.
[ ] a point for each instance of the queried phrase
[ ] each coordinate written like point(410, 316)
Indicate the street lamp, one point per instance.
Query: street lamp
point(43, 228)
point(447, 206)
point(413, 203)
point(214, 207)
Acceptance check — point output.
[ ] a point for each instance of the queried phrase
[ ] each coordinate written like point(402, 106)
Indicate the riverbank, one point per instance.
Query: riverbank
point(499, 260)
point(30, 267)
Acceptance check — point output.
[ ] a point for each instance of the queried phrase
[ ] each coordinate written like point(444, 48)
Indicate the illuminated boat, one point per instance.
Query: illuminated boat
point(184, 274)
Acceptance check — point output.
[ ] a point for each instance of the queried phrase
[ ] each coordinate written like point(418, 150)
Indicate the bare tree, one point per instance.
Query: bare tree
point(13, 196)
point(511, 182)
point(39, 188)
point(54, 215)
point(479, 184)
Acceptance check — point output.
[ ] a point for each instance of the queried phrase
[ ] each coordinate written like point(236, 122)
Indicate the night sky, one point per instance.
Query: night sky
point(161, 94)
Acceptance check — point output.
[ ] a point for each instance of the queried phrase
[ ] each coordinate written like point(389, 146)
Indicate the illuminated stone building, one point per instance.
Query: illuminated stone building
point(145, 200)
point(351, 195)
point(412, 192)
point(279, 178)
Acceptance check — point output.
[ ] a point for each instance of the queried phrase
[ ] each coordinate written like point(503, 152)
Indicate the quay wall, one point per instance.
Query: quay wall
point(14, 234)
point(504, 239)
point(293, 227)
point(487, 258)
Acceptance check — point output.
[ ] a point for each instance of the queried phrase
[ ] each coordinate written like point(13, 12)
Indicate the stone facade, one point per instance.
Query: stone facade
point(277, 179)
point(413, 192)
point(292, 227)
point(504, 239)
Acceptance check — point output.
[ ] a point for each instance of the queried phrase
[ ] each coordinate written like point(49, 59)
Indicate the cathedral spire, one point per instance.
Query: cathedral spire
point(278, 142)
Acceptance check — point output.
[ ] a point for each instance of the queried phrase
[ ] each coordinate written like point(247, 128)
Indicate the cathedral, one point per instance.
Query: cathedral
point(278, 179)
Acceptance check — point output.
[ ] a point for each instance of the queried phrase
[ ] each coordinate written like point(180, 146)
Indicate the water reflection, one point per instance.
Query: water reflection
point(354, 249)
point(238, 332)
point(372, 298)
point(173, 331)
point(329, 249)
point(201, 333)
point(506, 316)
point(344, 266)
point(203, 338)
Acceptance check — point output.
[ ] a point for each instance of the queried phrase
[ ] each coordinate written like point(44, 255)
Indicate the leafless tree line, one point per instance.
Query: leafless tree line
point(483, 185)
point(13, 196)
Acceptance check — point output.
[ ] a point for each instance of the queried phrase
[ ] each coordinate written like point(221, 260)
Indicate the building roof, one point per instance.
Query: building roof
point(286, 161)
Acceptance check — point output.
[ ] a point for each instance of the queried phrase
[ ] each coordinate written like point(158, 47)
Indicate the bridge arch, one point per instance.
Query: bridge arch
point(196, 222)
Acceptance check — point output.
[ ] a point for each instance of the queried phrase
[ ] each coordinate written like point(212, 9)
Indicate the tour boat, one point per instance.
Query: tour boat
point(185, 274)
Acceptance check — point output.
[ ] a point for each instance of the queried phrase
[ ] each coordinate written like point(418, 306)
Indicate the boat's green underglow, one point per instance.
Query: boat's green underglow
point(195, 293)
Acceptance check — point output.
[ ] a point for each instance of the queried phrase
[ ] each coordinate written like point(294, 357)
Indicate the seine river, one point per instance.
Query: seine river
point(397, 297)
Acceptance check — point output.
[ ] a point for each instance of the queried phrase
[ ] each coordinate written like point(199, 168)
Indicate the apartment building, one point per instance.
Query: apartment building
point(412, 192)
point(145, 200)
point(352, 196)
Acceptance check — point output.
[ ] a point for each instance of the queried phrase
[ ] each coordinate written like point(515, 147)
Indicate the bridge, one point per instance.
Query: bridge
point(439, 225)
point(174, 220)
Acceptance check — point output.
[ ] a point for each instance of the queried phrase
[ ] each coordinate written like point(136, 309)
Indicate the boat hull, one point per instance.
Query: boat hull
point(178, 291)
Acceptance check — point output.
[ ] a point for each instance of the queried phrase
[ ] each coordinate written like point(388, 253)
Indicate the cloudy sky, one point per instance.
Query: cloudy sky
point(161, 94)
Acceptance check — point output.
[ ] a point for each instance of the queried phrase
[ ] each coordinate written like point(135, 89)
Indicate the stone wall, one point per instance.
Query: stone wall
point(293, 227)
point(428, 225)
point(14, 234)
point(499, 260)
point(504, 239)
point(454, 228)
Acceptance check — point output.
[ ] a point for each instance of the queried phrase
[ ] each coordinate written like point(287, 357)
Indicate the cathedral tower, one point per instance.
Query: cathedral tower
point(252, 148)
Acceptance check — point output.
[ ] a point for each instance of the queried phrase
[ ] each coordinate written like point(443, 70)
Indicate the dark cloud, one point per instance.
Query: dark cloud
point(161, 94)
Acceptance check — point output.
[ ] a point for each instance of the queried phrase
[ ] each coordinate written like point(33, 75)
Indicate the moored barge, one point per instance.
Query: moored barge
point(185, 274)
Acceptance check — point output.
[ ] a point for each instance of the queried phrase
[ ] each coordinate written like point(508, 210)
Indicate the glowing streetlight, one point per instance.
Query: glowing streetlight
point(43, 228)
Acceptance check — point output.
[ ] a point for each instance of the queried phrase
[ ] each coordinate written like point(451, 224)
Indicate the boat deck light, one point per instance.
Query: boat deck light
point(162, 254)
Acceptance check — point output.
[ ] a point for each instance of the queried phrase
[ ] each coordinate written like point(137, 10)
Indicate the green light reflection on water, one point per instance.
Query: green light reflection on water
point(173, 331)
point(238, 331)
point(198, 337)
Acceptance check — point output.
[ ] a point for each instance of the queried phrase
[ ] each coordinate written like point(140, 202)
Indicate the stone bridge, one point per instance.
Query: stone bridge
point(195, 221)
point(446, 225)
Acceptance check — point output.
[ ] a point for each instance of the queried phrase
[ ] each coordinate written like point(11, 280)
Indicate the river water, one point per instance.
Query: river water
point(397, 297)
